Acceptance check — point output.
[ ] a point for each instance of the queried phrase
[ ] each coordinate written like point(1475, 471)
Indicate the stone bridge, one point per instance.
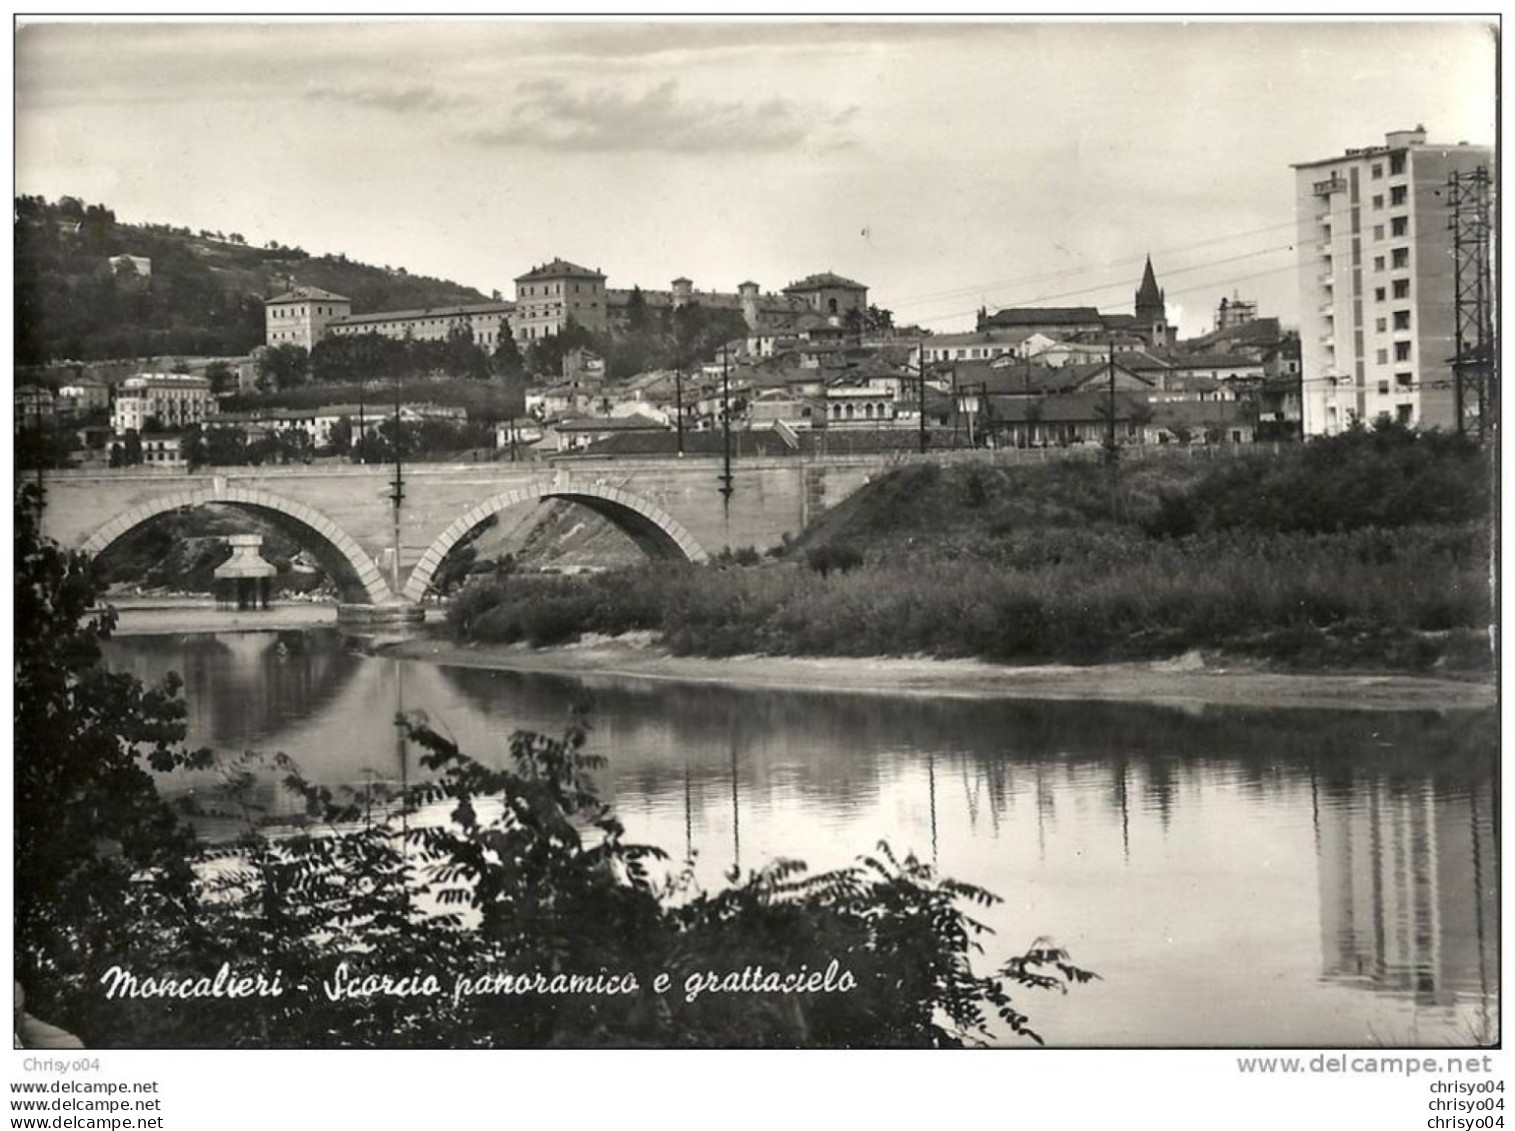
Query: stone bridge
point(383, 556)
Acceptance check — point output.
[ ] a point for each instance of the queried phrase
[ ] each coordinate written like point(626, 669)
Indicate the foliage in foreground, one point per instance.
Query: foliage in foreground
point(471, 872)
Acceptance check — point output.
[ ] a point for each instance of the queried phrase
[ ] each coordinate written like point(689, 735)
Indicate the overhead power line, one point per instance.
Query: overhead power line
point(1000, 284)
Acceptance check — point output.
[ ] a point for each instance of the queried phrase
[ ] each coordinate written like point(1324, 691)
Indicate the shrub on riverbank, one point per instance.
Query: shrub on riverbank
point(1365, 550)
point(1402, 599)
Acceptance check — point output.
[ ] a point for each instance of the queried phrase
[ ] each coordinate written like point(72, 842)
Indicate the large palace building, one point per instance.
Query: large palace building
point(548, 296)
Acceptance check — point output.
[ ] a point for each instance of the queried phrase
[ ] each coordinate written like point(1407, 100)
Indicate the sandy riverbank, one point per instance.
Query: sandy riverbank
point(1186, 682)
point(162, 616)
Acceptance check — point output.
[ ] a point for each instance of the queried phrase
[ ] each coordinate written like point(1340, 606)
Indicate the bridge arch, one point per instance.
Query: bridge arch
point(365, 583)
point(656, 531)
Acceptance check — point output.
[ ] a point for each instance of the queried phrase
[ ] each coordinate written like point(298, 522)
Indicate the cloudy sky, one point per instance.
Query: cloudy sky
point(945, 165)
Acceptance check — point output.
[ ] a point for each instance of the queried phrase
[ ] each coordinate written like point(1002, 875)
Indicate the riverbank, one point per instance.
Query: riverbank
point(1187, 682)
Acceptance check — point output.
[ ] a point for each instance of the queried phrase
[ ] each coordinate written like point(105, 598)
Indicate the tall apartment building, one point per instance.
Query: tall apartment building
point(1376, 288)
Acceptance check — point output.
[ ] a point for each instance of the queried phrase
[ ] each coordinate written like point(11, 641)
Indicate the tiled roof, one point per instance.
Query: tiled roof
point(1076, 408)
point(744, 442)
point(1043, 316)
point(633, 423)
point(557, 269)
point(824, 279)
point(1213, 361)
point(430, 312)
point(1258, 330)
point(307, 294)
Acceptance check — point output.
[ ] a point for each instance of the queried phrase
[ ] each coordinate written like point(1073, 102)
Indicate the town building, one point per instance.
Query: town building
point(163, 449)
point(1376, 285)
point(980, 345)
point(77, 398)
point(298, 317)
point(551, 295)
point(1149, 322)
point(35, 405)
point(171, 400)
point(488, 322)
point(1234, 312)
point(1054, 321)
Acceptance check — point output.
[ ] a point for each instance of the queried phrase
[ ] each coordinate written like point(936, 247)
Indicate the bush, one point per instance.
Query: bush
point(824, 559)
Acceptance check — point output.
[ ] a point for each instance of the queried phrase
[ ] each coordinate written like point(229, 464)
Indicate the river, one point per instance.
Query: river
point(1236, 876)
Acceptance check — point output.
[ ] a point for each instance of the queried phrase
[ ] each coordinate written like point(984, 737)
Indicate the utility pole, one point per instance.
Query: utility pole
point(921, 370)
point(37, 452)
point(955, 412)
point(727, 488)
point(1113, 453)
point(678, 400)
point(398, 494)
point(362, 457)
point(979, 389)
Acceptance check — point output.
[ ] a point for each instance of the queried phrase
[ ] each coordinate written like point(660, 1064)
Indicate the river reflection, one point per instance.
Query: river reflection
point(1237, 877)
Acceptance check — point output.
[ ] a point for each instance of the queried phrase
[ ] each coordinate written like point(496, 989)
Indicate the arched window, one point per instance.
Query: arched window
point(849, 412)
point(831, 305)
point(868, 411)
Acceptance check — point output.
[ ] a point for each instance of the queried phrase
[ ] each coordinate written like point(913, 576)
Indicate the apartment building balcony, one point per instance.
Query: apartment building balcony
point(1327, 187)
point(1327, 308)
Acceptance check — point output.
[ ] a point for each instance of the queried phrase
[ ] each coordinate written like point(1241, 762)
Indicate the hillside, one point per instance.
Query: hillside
point(204, 295)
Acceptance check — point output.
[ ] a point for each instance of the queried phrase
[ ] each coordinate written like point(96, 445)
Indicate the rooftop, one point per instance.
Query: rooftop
point(430, 312)
point(307, 294)
point(825, 279)
point(1043, 316)
point(558, 269)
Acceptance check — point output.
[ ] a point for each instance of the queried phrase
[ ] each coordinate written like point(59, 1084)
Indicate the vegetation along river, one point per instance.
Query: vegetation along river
point(1236, 875)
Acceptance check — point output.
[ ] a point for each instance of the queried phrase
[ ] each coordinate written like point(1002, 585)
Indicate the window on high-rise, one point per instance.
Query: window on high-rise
point(1401, 351)
point(1378, 202)
point(1383, 357)
point(1399, 226)
point(1398, 195)
point(1378, 294)
point(1378, 263)
point(1383, 388)
point(1403, 380)
point(1378, 231)
point(1400, 257)
point(1401, 320)
point(1396, 164)
point(1381, 325)
point(1401, 288)
point(1377, 172)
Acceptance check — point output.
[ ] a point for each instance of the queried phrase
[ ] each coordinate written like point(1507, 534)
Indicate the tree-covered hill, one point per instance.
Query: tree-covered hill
point(204, 294)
